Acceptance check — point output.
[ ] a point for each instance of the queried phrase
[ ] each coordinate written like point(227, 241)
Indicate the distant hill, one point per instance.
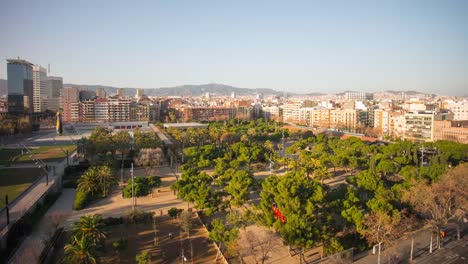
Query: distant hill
point(3, 87)
point(184, 90)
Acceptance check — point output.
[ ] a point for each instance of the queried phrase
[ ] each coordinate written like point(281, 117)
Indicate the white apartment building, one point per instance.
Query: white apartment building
point(101, 110)
point(271, 113)
point(419, 126)
point(40, 91)
point(291, 111)
point(459, 108)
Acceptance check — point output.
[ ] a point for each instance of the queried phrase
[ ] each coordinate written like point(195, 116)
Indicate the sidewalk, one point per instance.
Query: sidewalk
point(399, 252)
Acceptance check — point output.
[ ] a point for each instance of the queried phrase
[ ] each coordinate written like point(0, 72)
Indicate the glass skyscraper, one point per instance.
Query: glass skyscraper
point(20, 86)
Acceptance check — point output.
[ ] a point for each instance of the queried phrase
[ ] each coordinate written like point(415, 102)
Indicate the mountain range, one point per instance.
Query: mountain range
point(183, 90)
point(197, 90)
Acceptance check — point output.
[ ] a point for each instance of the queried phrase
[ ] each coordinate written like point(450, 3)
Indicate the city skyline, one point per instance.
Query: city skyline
point(300, 47)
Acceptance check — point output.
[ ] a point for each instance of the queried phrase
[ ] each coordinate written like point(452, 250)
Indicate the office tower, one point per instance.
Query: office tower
point(55, 86)
point(20, 86)
point(40, 91)
point(140, 93)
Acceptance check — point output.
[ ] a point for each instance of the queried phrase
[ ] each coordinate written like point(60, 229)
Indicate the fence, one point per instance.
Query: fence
point(14, 202)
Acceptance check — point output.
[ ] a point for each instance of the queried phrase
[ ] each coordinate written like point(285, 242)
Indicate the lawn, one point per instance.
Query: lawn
point(45, 153)
point(14, 181)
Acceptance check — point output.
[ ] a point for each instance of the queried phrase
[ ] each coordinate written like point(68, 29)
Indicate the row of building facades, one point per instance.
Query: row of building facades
point(426, 119)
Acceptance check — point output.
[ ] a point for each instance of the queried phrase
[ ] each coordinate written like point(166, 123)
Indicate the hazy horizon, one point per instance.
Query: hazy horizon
point(298, 47)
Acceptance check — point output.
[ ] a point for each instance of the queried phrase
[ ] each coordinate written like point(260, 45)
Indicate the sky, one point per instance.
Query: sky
point(294, 46)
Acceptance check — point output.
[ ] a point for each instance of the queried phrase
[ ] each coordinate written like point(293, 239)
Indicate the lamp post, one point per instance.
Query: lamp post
point(133, 192)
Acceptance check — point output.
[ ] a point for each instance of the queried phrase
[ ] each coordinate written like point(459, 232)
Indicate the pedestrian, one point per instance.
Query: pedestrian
point(170, 235)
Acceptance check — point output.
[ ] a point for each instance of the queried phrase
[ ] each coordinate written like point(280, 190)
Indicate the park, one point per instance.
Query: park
point(242, 192)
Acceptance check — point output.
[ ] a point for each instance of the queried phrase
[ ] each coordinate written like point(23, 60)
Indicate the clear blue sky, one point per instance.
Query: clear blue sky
point(298, 46)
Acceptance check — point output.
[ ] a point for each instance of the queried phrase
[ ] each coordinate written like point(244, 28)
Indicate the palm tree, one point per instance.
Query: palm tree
point(105, 177)
point(90, 226)
point(88, 181)
point(322, 173)
point(80, 251)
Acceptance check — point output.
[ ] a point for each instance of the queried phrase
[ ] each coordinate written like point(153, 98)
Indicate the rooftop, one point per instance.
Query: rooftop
point(18, 61)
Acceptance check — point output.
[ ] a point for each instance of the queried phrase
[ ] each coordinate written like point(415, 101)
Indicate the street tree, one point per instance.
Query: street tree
point(222, 234)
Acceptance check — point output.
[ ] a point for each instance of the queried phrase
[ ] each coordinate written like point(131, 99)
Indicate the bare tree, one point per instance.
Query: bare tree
point(444, 201)
point(151, 159)
point(382, 228)
point(260, 244)
point(186, 224)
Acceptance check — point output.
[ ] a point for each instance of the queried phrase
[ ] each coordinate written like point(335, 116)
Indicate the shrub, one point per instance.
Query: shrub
point(110, 221)
point(81, 199)
point(142, 257)
point(120, 244)
point(154, 181)
point(138, 216)
point(142, 186)
point(173, 212)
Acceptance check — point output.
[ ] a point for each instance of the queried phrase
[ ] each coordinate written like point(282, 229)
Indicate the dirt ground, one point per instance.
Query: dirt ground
point(167, 249)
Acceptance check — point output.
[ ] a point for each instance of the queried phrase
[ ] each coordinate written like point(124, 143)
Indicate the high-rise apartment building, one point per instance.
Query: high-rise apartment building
point(451, 130)
point(70, 103)
point(40, 91)
point(419, 126)
point(120, 92)
point(101, 93)
point(20, 86)
point(459, 108)
point(359, 96)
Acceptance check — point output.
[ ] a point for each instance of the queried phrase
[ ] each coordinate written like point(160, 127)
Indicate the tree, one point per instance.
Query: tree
point(238, 187)
point(105, 177)
point(80, 251)
point(122, 142)
point(88, 182)
point(142, 258)
point(142, 186)
point(260, 244)
point(150, 159)
point(99, 142)
point(444, 201)
point(382, 228)
point(222, 234)
point(322, 174)
point(386, 167)
point(173, 212)
point(301, 202)
point(90, 226)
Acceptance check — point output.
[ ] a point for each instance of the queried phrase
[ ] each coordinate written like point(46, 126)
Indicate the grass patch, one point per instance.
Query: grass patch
point(14, 181)
point(45, 153)
point(12, 191)
point(7, 155)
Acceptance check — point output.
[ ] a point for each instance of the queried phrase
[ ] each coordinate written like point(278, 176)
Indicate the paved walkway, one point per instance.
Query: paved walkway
point(115, 205)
